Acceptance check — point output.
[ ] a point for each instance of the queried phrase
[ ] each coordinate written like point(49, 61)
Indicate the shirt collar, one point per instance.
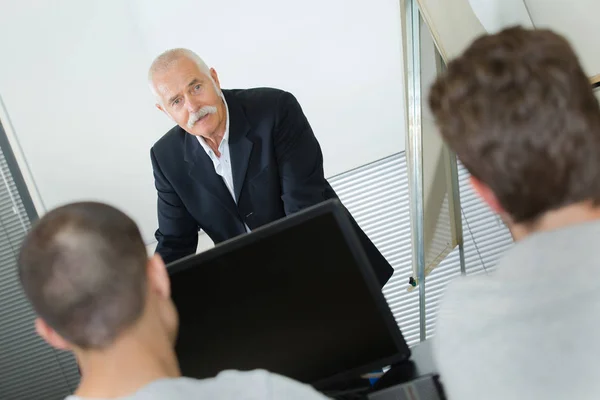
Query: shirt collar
point(225, 139)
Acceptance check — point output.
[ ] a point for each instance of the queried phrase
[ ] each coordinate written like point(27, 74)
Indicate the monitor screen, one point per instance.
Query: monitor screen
point(296, 297)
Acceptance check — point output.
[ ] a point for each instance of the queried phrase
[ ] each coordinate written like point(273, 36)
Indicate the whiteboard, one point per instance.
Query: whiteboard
point(73, 79)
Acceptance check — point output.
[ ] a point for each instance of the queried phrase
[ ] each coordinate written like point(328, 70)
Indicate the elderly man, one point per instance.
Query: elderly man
point(520, 113)
point(237, 159)
point(85, 270)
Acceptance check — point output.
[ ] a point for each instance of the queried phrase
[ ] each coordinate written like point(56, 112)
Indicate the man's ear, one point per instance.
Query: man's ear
point(487, 195)
point(165, 111)
point(50, 335)
point(158, 278)
point(215, 78)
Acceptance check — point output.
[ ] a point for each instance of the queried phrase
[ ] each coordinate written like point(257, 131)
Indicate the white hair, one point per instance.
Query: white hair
point(166, 60)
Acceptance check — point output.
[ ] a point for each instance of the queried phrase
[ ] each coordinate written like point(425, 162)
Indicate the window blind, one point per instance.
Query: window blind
point(377, 196)
point(29, 368)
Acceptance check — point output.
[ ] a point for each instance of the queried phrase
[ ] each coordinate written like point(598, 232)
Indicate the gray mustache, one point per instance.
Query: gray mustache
point(204, 111)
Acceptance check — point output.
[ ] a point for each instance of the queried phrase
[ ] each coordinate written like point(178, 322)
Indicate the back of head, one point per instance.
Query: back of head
point(520, 113)
point(83, 267)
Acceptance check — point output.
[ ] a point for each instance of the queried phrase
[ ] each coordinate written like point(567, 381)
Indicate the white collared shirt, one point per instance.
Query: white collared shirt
point(222, 164)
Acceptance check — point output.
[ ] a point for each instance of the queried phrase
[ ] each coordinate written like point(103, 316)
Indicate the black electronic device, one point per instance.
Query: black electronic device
point(297, 297)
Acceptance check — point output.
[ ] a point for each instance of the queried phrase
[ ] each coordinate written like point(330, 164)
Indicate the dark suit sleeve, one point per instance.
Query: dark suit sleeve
point(299, 157)
point(300, 162)
point(177, 233)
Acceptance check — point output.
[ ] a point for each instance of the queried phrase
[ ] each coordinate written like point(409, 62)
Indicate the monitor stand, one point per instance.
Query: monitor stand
point(359, 388)
point(397, 374)
point(419, 365)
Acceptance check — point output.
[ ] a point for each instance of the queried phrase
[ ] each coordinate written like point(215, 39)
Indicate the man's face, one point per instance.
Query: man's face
point(191, 98)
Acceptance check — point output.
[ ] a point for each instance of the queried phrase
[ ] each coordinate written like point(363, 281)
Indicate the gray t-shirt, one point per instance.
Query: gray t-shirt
point(530, 329)
point(251, 385)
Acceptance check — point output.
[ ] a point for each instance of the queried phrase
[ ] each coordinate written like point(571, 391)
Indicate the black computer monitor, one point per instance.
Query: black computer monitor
point(297, 297)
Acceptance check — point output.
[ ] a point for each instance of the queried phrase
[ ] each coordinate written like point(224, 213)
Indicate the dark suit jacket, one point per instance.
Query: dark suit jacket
point(277, 168)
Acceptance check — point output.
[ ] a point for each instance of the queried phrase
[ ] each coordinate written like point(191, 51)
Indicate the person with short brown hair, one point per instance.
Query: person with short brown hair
point(518, 110)
point(85, 270)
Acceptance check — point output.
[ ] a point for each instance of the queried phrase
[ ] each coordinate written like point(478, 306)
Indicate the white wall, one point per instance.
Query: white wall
point(496, 15)
point(578, 21)
point(73, 78)
point(453, 25)
point(574, 19)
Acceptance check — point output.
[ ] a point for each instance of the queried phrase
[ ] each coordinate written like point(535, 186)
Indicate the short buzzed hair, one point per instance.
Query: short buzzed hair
point(83, 267)
point(520, 113)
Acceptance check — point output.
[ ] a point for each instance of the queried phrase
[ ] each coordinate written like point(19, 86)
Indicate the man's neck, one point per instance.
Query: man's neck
point(214, 142)
point(128, 365)
point(552, 220)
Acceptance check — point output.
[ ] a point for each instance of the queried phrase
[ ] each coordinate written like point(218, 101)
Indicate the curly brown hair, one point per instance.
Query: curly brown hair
point(519, 111)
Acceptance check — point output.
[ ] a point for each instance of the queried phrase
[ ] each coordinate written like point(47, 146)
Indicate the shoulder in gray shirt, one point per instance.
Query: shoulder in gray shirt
point(529, 330)
point(252, 385)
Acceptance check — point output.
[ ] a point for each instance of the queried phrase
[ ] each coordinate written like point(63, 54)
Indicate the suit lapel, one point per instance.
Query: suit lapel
point(240, 147)
point(202, 170)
